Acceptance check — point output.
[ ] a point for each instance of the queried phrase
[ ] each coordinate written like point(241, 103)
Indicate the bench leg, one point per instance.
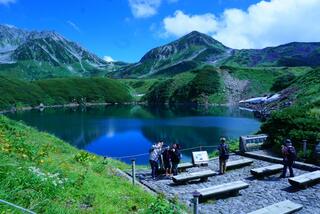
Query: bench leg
point(234, 193)
point(204, 179)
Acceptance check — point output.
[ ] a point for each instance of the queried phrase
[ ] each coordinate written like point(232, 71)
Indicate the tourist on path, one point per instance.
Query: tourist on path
point(166, 157)
point(155, 153)
point(289, 156)
point(223, 149)
point(175, 157)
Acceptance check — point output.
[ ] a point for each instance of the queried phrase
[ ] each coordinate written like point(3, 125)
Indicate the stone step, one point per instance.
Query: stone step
point(306, 179)
point(184, 166)
point(283, 207)
point(185, 177)
point(222, 189)
point(239, 163)
point(267, 170)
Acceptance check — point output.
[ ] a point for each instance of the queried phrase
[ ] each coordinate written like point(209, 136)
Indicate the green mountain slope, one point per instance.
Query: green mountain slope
point(18, 93)
point(37, 55)
point(301, 121)
point(196, 86)
point(178, 53)
point(291, 55)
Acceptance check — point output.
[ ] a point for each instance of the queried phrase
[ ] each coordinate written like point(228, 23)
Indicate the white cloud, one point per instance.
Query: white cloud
point(6, 2)
point(181, 24)
point(73, 25)
point(144, 8)
point(267, 23)
point(108, 59)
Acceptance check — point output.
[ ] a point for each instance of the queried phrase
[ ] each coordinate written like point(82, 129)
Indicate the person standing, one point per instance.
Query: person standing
point(155, 153)
point(175, 157)
point(166, 157)
point(223, 149)
point(289, 156)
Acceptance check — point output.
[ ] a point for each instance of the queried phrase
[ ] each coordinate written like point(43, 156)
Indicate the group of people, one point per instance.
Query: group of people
point(167, 157)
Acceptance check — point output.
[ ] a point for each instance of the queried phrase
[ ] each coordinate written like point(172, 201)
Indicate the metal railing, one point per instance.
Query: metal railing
point(17, 207)
point(199, 148)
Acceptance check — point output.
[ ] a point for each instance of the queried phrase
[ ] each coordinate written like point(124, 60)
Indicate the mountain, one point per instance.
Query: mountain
point(187, 52)
point(196, 49)
point(290, 55)
point(36, 55)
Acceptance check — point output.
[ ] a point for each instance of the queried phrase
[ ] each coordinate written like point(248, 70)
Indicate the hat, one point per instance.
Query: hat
point(288, 141)
point(222, 139)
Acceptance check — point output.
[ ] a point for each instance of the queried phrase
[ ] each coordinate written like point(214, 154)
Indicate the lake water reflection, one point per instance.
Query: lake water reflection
point(123, 130)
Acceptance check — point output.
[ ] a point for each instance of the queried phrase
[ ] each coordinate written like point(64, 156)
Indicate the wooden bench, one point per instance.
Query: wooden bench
point(185, 177)
point(267, 170)
point(283, 207)
point(239, 163)
point(183, 166)
point(222, 190)
point(305, 180)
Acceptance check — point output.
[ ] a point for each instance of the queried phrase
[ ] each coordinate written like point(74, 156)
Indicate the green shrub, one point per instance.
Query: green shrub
point(283, 82)
point(161, 206)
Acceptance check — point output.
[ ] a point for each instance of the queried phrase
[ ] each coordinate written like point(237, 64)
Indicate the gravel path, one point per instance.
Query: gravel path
point(260, 193)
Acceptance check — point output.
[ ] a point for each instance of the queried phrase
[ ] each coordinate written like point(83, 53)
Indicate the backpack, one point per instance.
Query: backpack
point(175, 156)
point(292, 155)
point(224, 151)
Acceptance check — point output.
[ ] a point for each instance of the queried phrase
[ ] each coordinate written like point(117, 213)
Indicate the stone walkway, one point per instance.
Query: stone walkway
point(260, 193)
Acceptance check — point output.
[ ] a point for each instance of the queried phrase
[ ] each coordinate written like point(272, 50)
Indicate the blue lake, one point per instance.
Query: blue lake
point(124, 130)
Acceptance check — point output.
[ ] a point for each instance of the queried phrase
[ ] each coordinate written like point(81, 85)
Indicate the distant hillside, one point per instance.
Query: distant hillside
point(46, 54)
point(196, 49)
point(301, 121)
point(291, 55)
point(181, 54)
point(18, 93)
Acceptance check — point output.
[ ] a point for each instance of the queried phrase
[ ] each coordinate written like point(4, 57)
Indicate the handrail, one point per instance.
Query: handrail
point(16, 206)
point(144, 154)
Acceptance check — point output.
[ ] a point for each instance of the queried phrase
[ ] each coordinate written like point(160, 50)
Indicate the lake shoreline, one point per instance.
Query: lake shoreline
point(75, 105)
point(69, 105)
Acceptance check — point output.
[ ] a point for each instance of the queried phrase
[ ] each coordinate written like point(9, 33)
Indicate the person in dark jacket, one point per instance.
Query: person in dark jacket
point(223, 149)
point(175, 157)
point(166, 157)
point(289, 156)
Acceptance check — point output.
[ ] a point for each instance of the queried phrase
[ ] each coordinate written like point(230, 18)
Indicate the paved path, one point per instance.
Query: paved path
point(260, 193)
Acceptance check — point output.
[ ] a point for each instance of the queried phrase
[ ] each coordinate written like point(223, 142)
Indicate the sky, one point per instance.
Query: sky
point(124, 30)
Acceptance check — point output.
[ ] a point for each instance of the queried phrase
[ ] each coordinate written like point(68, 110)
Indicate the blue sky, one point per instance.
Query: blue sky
point(126, 29)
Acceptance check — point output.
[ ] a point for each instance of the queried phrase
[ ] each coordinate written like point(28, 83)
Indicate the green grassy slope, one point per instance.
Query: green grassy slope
point(188, 87)
point(302, 120)
point(33, 70)
point(44, 174)
point(61, 91)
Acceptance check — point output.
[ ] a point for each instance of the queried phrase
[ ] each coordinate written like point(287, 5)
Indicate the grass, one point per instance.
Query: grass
point(197, 86)
point(139, 86)
point(18, 93)
point(300, 121)
point(44, 174)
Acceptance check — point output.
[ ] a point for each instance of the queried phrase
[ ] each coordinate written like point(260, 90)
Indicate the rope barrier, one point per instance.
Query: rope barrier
point(16, 206)
point(144, 154)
